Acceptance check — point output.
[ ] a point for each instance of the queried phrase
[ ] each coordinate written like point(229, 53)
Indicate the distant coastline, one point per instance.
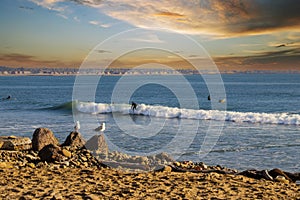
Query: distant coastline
point(10, 71)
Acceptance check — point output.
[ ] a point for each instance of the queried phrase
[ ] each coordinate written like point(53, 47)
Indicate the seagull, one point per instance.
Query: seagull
point(77, 126)
point(101, 128)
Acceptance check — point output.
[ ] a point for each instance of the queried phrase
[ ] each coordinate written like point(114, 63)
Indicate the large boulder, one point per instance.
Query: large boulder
point(43, 137)
point(74, 140)
point(98, 144)
point(14, 143)
point(51, 153)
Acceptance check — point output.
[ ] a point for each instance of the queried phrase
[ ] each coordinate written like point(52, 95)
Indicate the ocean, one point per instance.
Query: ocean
point(255, 125)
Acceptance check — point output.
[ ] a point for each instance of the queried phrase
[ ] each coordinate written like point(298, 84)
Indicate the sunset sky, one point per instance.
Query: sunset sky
point(237, 34)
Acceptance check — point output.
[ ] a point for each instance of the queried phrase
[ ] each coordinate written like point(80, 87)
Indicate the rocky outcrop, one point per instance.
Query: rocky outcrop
point(74, 140)
point(43, 137)
point(98, 144)
point(51, 153)
point(14, 143)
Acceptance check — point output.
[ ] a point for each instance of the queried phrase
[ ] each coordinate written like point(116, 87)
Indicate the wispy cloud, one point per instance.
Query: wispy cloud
point(147, 38)
point(103, 51)
point(50, 4)
point(97, 23)
point(17, 59)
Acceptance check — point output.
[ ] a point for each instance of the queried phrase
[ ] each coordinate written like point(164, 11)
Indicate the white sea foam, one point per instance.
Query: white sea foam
point(170, 112)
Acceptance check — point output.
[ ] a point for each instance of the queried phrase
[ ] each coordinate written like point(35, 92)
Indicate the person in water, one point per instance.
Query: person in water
point(208, 98)
point(7, 98)
point(133, 106)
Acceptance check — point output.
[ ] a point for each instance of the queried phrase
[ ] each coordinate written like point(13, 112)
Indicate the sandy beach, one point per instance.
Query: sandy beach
point(93, 183)
point(43, 169)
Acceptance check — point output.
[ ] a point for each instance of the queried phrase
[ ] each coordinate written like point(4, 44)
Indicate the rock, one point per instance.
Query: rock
point(6, 165)
point(31, 157)
point(32, 165)
point(97, 143)
point(51, 153)
point(281, 179)
point(164, 157)
point(167, 168)
point(67, 153)
point(74, 140)
point(14, 143)
point(92, 197)
point(43, 137)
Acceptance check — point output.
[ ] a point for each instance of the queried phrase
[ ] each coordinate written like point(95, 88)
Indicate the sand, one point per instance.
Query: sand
point(93, 183)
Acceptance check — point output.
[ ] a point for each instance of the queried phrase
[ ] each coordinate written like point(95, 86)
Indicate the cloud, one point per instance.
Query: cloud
point(24, 60)
point(26, 8)
point(97, 23)
point(103, 51)
point(228, 18)
point(147, 38)
point(223, 18)
point(279, 59)
point(50, 4)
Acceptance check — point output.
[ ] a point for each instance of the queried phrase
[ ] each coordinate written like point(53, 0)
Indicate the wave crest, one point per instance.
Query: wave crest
point(171, 112)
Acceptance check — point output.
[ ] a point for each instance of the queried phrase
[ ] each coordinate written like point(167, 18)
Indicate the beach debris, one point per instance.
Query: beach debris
point(43, 137)
point(74, 140)
point(14, 143)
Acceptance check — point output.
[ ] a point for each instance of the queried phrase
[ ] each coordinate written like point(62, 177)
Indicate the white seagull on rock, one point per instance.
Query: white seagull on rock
point(101, 128)
point(77, 126)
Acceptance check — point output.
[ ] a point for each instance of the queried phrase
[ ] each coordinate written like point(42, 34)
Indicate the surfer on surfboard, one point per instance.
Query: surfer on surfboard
point(133, 106)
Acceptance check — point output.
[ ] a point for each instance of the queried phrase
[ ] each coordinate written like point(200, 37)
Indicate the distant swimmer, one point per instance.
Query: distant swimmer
point(6, 98)
point(133, 106)
point(208, 98)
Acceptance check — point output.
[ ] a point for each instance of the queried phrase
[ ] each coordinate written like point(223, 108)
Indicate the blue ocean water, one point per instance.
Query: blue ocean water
point(260, 129)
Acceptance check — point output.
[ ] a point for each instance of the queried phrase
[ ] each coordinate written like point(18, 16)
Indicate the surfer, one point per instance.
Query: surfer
point(133, 106)
point(7, 98)
point(208, 98)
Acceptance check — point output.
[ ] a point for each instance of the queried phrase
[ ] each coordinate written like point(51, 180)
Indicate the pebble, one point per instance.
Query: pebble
point(67, 153)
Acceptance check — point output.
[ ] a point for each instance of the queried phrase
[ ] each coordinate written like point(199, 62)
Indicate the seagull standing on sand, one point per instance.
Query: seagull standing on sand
point(77, 126)
point(101, 128)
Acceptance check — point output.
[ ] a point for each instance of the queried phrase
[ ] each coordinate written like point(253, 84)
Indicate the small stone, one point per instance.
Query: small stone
point(12, 137)
point(84, 159)
point(281, 179)
point(32, 165)
point(31, 157)
point(92, 197)
point(6, 165)
point(167, 168)
point(67, 153)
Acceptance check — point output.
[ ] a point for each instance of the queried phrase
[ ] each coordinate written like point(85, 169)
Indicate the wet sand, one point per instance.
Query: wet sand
point(94, 183)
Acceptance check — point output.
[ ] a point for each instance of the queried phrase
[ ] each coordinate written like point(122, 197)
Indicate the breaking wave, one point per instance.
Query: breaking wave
point(182, 113)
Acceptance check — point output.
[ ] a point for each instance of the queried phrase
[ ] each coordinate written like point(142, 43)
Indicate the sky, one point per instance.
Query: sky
point(235, 34)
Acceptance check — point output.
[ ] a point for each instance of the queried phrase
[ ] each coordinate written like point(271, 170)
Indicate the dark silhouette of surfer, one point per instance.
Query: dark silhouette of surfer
point(208, 98)
point(7, 98)
point(133, 106)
